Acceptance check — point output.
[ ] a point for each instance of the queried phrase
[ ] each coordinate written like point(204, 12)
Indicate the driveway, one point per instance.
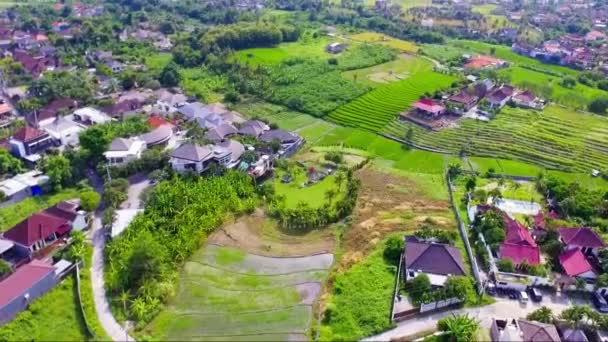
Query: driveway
point(97, 235)
point(503, 308)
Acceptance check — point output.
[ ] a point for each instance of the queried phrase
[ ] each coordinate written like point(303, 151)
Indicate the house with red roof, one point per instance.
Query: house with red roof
point(518, 246)
point(428, 108)
point(48, 113)
point(575, 264)
point(28, 142)
point(26, 284)
point(38, 231)
point(483, 62)
point(462, 102)
point(586, 239)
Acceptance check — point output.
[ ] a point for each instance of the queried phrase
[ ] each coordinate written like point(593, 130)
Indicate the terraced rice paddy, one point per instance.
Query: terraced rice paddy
point(380, 106)
point(226, 295)
point(556, 138)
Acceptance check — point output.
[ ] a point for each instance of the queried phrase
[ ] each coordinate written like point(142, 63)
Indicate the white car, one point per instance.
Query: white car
point(523, 296)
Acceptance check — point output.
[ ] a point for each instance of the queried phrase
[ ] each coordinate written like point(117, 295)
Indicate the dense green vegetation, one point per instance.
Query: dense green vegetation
point(360, 300)
point(180, 213)
point(53, 317)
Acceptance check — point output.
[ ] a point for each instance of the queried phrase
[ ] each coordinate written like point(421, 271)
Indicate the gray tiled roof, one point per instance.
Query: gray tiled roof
point(192, 152)
point(433, 258)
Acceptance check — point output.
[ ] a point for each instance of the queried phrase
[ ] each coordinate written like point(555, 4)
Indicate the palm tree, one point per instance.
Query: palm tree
point(329, 195)
point(459, 328)
point(495, 194)
point(124, 299)
point(339, 179)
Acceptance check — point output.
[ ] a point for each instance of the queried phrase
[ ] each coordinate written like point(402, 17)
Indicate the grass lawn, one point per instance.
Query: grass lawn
point(405, 66)
point(307, 46)
point(158, 61)
point(315, 131)
point(524, 191)
point(295, 192)
point(52, 317)
point(374, 37)
point(484, 9)
point(11, 215)
point(282, 116)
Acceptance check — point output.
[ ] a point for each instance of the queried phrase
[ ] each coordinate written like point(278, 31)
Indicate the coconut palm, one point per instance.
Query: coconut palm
point(329, 195)
point(339, 179)
point(459, 328)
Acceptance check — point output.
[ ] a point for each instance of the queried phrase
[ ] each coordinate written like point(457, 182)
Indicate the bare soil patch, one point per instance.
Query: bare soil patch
point(388, 203)
point(260, 235)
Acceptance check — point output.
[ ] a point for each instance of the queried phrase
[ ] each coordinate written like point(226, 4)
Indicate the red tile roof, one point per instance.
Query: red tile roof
point(157, 121)
point(581, 237)
point(463, 97)
point(519, 253)
point(36, 227)
point(574, 262)
point(18, 283)
point(480, 62)
point(539, 220)
point(517, 234)
point(428, 105)
point(553, 215)
point(27, 134)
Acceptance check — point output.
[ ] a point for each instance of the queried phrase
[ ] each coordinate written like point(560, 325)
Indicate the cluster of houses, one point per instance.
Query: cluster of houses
point(574, 50)
point(50, 128)
point(27, 248)
point(511, 329)
point(578, 260)
point(478, 100)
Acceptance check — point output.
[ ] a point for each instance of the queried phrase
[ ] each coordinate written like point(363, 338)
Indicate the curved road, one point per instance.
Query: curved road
point(114, 330)
point(503, 308)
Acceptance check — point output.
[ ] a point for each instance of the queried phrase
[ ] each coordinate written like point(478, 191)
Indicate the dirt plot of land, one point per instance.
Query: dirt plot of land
point(260, 235)
point(389, 203)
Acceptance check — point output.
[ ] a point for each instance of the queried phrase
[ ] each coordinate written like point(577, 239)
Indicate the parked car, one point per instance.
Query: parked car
point(523, 296)
point(600, 302)
point(512, 294)
point(535, 294)
point(491, 289)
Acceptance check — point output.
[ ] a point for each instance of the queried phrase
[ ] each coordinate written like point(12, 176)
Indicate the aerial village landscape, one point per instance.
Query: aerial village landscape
point(304, 170)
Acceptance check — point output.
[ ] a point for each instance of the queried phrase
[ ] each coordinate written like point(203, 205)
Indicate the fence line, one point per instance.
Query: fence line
point(396, 289)
point(84, 315)
point(465, 237)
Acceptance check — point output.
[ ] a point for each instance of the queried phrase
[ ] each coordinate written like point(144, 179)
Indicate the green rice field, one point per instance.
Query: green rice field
point(380, 106)
point(555, 138)
point(400, 69)
point(305, 47)
point(226, 294)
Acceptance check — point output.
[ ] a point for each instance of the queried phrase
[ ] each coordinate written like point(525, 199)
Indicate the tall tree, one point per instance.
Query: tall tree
point(59, 171)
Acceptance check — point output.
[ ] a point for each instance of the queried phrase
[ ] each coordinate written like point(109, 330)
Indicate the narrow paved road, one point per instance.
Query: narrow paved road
point(503, 308)
point(114, 330)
